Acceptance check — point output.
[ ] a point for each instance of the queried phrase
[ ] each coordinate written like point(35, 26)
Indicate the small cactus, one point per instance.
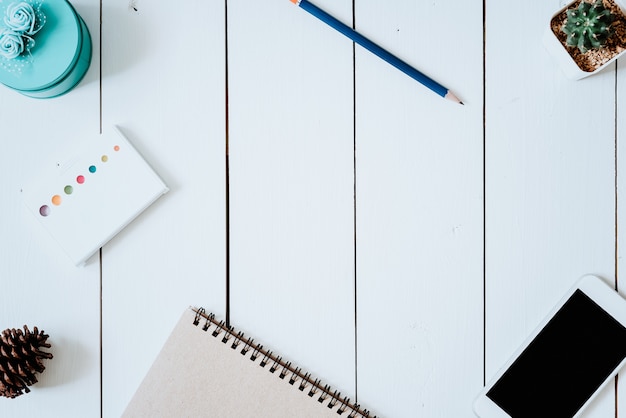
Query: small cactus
point(588, 26)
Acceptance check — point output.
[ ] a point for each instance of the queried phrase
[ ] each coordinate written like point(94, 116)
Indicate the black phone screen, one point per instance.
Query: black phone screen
point(565, 364)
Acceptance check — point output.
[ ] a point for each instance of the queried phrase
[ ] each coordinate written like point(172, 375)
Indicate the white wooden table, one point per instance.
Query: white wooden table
point(394, 243)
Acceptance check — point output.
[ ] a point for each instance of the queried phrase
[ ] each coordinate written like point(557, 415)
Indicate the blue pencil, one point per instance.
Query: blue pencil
point(377, 50)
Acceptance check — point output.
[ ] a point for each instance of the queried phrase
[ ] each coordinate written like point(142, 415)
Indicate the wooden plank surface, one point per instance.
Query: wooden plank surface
point(165, 89)
point(620, 212)
point(291, 185)
point(395, 244)
point(419, 213)
point(40, 285)
point(550, 189)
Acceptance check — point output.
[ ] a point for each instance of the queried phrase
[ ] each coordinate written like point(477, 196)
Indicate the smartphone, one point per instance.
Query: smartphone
point(570, 356)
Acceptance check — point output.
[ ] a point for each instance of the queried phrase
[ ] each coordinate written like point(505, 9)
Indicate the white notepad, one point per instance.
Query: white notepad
point(87, 200)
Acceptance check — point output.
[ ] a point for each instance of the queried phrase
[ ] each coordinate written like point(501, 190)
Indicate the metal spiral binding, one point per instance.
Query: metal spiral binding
point(276, 363)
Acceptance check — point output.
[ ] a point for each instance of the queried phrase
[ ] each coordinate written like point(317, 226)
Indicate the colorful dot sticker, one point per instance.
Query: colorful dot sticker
point(56, 200)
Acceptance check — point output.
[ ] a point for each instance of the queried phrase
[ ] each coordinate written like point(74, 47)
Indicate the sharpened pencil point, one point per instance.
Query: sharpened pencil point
point(450, 96)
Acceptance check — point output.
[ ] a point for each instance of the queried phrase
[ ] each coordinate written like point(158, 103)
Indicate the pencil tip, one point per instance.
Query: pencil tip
point(462, 103)
point(450, 96)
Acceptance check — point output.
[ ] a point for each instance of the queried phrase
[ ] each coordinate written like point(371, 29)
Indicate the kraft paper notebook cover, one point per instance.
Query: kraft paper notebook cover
point(206, 369)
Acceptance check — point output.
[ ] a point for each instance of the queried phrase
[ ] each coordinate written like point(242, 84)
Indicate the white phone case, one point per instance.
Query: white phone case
point(604, 296)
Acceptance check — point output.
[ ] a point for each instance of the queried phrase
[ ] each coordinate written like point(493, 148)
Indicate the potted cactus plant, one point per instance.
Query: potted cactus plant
point(587, 35)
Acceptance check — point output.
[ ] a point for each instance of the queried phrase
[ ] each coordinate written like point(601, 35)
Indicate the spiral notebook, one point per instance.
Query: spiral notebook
point(207, 369)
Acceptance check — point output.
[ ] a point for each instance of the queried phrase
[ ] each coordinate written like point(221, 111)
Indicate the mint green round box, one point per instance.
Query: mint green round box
point(60, 57)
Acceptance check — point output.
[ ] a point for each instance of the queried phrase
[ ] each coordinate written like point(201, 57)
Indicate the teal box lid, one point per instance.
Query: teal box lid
point(59, 58)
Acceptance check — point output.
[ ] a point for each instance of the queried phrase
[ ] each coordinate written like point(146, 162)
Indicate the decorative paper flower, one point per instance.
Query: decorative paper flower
point(21, 18)
point(11, 44)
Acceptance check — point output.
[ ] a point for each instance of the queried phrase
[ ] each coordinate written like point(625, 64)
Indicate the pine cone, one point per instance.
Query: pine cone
point(20, 359)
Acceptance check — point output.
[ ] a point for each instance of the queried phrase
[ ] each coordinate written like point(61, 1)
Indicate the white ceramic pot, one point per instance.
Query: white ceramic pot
point(563, 58)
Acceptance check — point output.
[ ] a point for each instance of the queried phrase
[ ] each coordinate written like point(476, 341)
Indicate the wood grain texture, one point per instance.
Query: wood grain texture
point(620, 209)
point(419, 213)
point(164, 87)
point(40, 285)
point(395, 244)
point(550, 209)
point(291, 184)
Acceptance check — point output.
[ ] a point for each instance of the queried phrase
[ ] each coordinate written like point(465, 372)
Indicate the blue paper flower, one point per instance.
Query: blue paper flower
point(11, 44)
point(21, 18)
